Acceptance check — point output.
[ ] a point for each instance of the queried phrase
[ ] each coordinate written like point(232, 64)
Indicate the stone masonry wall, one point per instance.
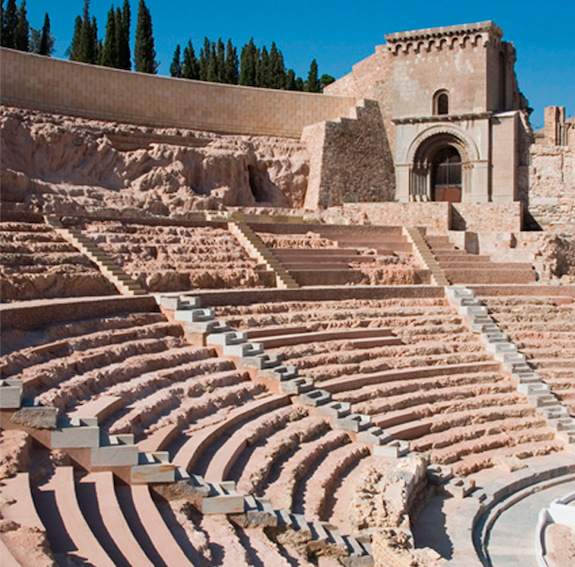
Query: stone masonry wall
point(124, 96)
point(552, 186)
point(350, 160)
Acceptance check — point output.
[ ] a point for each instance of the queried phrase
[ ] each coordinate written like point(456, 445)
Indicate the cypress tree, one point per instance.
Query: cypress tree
point(75, 47)
point(176, 66)
point(22, 30)
point(263, 69)
point(190, 67)
point(248, 64)
point(212, 75)
point(220, 62)
point(110, 50)
point(277, 69)
point(124, 54)
point(299, 84)
point(85, 46)
point(312, 85)
point(47, 40)
point(231, 65)
point(290, 81)
point(92, 47)
point(204, 63)
point(144, 52)
point(9, 21)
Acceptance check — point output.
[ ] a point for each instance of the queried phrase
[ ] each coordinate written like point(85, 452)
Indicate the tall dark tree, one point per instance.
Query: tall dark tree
point(144, 51)
point(123, 34)
point(231, 64)
point(220, 61)
point(190, 66)
point(204, 62)
point(46, 40)
point(248, 64)
point(75, 50)
point(263, 70)
point(299, 84)
point(290, 81)
point(277, 69)
point(212, 73)
point(312, 84)
point(9, 21)
point(110, 50)
point(176, 65)
point(22, 31)
point(85, 46)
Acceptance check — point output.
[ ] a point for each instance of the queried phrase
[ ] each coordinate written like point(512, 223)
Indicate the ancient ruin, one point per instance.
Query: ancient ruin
point(245, 327)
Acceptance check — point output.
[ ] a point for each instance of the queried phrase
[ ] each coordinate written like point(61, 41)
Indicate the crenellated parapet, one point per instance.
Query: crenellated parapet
point(482, 34)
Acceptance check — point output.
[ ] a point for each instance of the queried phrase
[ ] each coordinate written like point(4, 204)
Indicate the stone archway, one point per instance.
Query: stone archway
point(440, 166)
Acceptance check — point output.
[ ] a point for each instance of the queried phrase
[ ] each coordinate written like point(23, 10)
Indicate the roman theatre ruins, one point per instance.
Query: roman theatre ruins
point(250, 327)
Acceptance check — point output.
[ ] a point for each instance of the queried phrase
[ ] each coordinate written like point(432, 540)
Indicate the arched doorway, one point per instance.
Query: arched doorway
point(440, 168)
point(446, 175)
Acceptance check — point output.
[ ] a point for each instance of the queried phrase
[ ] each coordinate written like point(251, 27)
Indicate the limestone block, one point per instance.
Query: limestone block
point(38, 417)
point(76, 437)
point(10, 394)
point(244, 349)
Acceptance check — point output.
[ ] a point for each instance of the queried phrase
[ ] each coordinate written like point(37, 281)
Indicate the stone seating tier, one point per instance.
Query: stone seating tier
point(37, 263)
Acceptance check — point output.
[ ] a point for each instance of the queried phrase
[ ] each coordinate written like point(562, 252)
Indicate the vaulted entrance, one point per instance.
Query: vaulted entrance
point(440, 169)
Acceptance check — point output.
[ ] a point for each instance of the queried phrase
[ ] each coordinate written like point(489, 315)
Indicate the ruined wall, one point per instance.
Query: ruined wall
point(350, 160)
point(552, 173)
point(125, 96)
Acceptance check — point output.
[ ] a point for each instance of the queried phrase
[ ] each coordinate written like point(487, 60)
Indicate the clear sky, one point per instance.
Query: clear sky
point(339, 35)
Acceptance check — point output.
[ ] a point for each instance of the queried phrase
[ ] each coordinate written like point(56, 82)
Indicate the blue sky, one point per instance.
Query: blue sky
point(339, 35)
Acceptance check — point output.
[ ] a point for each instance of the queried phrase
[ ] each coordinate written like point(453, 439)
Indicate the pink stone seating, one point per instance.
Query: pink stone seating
point(103, 498)
point(30, 249)
point(24, 513)
point(325, 478)
point(100, 408)
point(6, 557)
point(225, 458)
point(460, 267)
point(156, 529)
point(160, 440)
point(348, 383)
point(58, 506)
point(306, 337)
point(178, 258)
point(199, 441)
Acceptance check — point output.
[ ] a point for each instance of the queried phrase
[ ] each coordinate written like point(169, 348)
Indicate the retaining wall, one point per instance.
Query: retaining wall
point(125, 96)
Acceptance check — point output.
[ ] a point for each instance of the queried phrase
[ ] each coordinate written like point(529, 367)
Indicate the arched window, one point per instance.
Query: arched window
point(441, 103)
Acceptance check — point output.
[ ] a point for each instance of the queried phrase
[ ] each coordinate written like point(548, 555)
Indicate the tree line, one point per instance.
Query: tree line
point(16, 32)
point(255, 67)
point(114, 50)
point(216, 62)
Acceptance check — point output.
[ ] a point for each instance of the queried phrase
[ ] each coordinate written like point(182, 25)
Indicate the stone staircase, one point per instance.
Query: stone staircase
point(460, 267)
point(514, 363)
point(123, 282)
point(258, 250)
point(425, 255)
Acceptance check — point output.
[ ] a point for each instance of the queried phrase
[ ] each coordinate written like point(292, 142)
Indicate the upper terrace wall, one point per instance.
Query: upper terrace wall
point(125, 96)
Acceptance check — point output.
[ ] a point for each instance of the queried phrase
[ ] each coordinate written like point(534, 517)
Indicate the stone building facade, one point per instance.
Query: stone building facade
point(454, 116)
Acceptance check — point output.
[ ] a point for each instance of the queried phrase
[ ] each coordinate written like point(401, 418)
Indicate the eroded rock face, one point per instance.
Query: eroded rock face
point(72, 165)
